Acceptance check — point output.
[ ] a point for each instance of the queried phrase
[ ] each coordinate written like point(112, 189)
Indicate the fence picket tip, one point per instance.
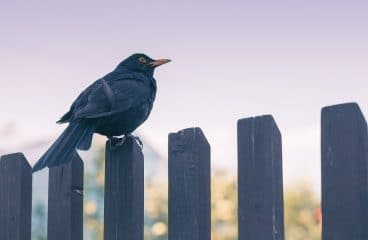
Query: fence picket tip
point(16, 156)
point(265, 117)
point(342, 106)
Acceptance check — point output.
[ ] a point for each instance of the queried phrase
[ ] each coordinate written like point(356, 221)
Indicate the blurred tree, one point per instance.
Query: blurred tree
point(301, 221)
point(39, 221)
point(224, 206)
point(94, 181)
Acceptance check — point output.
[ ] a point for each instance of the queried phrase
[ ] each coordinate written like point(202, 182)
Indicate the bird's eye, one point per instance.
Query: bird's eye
point(142, 60)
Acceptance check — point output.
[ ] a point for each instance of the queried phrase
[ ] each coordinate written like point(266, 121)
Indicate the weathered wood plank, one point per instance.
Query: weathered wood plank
point(260, 184)
point(65, 204)
point(344, 173)
point(15, 197)
point(189, 186)
point(124, 192)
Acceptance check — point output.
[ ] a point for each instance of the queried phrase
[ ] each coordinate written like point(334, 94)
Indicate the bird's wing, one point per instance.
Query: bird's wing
point(109, 94)
point(79, 103)
point(110, 97)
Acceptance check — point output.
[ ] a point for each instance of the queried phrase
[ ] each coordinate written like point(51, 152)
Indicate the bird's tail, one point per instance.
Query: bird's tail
point(78, 135)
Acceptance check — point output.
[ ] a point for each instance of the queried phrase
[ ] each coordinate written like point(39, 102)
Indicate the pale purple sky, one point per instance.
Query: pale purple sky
point(231, 59)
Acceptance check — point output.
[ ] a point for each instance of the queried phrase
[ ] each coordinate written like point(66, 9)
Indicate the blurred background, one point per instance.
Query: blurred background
point(231, 59)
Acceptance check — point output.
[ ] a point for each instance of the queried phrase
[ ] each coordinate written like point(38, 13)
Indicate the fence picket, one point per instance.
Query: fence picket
point(124, 191)
point(260, 189)
point(344, 173)
point(65, 204)
point(189, 186)
point(15, 197)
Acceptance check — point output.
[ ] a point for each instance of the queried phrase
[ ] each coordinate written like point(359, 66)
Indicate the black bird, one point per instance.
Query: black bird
point(114, 105)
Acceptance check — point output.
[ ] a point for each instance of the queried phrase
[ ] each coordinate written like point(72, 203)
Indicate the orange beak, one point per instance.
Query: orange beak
point(159, 62)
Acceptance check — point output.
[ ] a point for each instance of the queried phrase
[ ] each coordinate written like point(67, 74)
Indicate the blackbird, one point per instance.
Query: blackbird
point(114, 105)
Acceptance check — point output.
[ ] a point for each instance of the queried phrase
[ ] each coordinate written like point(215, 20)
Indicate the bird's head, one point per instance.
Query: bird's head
point(142, 63)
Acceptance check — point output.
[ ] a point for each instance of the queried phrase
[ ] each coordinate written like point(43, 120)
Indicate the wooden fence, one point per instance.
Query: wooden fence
point(260, 187)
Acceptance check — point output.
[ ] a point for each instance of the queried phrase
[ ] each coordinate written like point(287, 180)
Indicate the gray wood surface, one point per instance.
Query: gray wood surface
point(260, 184)
point(15, 197)
point(124, 192)
point(344, 173)
point(189, 186)
point(65, 204)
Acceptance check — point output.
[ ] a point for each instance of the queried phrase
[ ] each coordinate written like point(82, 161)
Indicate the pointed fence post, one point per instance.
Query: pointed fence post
point(65, 204)
point(344, 173)
point(260, 187)
point(189, 186)
point(124, 192)
point(15, 197)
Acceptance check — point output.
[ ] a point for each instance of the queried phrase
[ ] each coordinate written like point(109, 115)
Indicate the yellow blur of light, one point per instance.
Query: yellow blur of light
point(90, 208)
point(100, 179)
point(224, 209)
point(159, 228)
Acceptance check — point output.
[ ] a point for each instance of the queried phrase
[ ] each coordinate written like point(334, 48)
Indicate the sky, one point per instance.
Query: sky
point(231, 60)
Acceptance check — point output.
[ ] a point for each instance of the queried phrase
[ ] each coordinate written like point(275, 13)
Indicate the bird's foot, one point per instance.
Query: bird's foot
point(137, 139)
point(118, 142)
point(114, 141)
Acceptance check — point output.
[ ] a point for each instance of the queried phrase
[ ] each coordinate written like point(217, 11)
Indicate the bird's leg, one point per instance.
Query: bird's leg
point(137, 139)
point(117, 142)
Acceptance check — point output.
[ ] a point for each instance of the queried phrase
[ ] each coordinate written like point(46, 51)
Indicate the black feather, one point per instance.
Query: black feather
point(114, 106)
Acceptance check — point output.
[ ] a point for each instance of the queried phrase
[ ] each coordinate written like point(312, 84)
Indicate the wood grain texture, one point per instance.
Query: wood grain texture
point(189, 186)
point(124, 192)
point(65, 204)
point(15, 197)
point(260, 184)
point(344, 173)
